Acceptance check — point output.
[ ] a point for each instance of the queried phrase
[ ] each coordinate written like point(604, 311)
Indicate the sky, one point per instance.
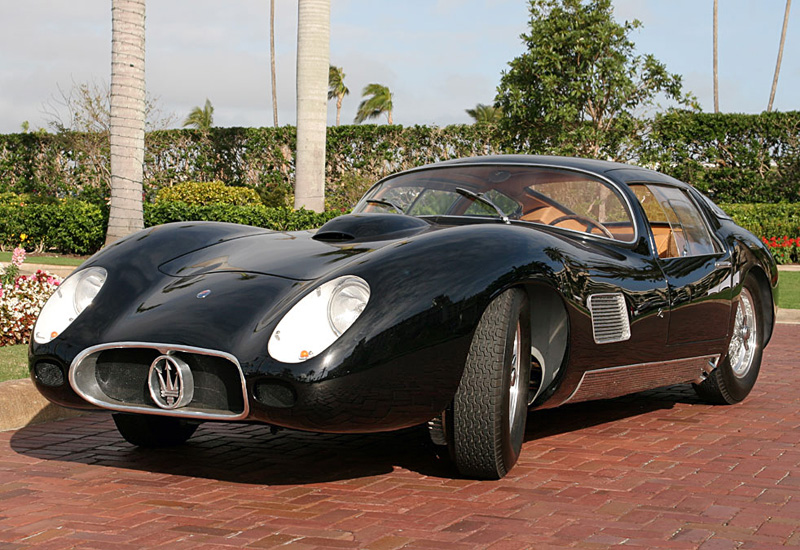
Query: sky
point(438, 57)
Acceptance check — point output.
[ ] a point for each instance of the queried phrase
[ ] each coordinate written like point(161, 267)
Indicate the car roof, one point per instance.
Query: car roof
point(615, 171)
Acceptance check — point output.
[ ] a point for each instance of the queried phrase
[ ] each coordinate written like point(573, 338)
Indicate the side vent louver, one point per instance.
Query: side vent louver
point(610, 321)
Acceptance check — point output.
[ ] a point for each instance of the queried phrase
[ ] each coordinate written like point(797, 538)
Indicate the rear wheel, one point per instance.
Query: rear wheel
point(736, 375)
point(153, 431)
point(490, 406)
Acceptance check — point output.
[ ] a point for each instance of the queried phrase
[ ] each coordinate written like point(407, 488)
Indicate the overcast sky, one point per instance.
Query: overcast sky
point(439, 57)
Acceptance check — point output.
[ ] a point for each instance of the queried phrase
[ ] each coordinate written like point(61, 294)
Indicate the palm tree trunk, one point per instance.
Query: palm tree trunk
point(127, 118)
point(272, 62)
point(339, 109)
point(780, 55)
point(313, 62)
point(716, 58)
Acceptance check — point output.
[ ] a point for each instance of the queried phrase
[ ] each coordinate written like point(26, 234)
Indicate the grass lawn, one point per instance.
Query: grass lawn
point(13, 362)
point(789, 290)
point(47, 260)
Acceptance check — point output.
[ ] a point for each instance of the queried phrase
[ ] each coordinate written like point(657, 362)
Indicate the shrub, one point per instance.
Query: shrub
point(20, 303)
point(766, 220)
point(279, 219)
point(208, 192)
point(68, 225)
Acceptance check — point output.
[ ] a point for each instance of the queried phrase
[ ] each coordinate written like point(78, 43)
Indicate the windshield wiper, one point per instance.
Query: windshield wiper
point(481, 198)
point(390, 204)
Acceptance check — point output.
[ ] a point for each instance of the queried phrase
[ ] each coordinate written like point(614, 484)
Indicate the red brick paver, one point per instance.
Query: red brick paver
point(657, 470)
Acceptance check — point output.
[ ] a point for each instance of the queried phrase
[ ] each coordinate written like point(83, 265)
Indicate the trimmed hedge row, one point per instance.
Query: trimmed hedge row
point(767, 220)
point(77, 227)
point(208, 192)
point(732, 157)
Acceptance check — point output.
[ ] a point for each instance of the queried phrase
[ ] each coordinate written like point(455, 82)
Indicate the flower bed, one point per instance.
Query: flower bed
point(784, 249)
point(20, 303)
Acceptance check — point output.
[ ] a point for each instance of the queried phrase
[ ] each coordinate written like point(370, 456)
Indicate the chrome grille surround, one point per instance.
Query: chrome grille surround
point(83, 380)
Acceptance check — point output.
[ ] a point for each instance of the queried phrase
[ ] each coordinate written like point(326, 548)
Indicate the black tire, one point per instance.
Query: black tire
point(736, 375)
point(488, 422)
point(153, 431)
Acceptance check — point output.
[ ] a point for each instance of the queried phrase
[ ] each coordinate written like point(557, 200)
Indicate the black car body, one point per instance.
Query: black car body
point(419, 307)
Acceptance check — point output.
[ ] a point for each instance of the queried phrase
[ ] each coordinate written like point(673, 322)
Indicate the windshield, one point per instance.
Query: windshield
point(560, 198)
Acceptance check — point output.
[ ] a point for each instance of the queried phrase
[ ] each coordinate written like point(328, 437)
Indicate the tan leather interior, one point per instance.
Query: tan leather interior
point(543, 214)
point(547, 214)
point(665, 242)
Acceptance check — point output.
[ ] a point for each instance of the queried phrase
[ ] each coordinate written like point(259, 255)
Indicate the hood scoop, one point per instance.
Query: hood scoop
point(370, 227)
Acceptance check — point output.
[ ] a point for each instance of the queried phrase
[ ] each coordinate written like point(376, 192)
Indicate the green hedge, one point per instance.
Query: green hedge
point(279, 219)
point(208, 192)
point(735, 158)
point(767, 220)
point(77, 227)
point(76, 164)
point(68, 226)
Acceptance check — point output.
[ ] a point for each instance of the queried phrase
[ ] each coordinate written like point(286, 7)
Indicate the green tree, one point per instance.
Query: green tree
point(201, 119)
point(377, 101)
point(485, 114)
point(337, 89)
point(579, 88)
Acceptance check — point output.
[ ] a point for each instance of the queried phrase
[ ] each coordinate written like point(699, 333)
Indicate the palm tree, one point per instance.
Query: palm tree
point(313, 55)
point(272, 62)
point(126, 124)
point(716, 58)
point(377, 101)
point(201, 119)
point(780, 55)
point(485, 114)
point(337, 89)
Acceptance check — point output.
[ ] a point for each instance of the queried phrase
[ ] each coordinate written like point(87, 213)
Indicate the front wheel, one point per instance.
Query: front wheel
point(736, 375)
point(153, 431)
point(491, 404)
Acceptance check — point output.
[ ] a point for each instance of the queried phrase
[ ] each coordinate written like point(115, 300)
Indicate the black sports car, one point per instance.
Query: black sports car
point(457, 294)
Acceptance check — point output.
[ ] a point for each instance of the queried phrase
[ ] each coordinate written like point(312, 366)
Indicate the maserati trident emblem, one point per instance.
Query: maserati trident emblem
point(171, 382)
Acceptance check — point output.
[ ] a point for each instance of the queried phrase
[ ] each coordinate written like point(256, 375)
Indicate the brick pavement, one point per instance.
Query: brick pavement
point(656, 470)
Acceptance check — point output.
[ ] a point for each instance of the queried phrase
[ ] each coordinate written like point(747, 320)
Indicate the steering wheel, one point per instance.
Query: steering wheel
point(589, 223)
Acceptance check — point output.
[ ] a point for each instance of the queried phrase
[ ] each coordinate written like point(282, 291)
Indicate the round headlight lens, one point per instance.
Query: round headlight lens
point(88, 287)
point(347, 302)
point(318, 319)
point(72, 297)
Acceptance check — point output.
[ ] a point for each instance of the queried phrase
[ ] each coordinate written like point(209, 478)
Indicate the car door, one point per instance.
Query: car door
point(697, 266)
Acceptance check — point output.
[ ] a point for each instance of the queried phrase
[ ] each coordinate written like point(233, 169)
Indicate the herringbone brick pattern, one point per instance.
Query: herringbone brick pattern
point(656, 470)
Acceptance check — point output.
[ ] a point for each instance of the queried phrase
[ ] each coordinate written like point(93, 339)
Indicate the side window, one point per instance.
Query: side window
point(677, 225)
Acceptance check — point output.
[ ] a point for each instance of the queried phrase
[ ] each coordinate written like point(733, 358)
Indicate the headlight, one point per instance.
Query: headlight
point(72, 297)
point(317, 320)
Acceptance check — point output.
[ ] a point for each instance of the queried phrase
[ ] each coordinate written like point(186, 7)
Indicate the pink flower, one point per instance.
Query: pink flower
point(18, 256)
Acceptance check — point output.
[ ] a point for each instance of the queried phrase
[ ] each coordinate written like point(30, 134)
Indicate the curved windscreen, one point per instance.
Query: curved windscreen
point(560, 198)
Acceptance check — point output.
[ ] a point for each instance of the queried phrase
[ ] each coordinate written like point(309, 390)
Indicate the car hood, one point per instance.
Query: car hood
point(299, 255)
point(294, 255)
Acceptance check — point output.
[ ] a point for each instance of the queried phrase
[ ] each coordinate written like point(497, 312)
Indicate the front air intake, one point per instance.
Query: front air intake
point(610, 321)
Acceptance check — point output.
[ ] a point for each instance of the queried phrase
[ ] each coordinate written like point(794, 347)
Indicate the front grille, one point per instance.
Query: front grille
point(115, 376)
point(609, 318)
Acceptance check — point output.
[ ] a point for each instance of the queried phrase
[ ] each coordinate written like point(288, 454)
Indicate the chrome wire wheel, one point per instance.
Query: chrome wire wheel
point(515, 390)
point(744, 341)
